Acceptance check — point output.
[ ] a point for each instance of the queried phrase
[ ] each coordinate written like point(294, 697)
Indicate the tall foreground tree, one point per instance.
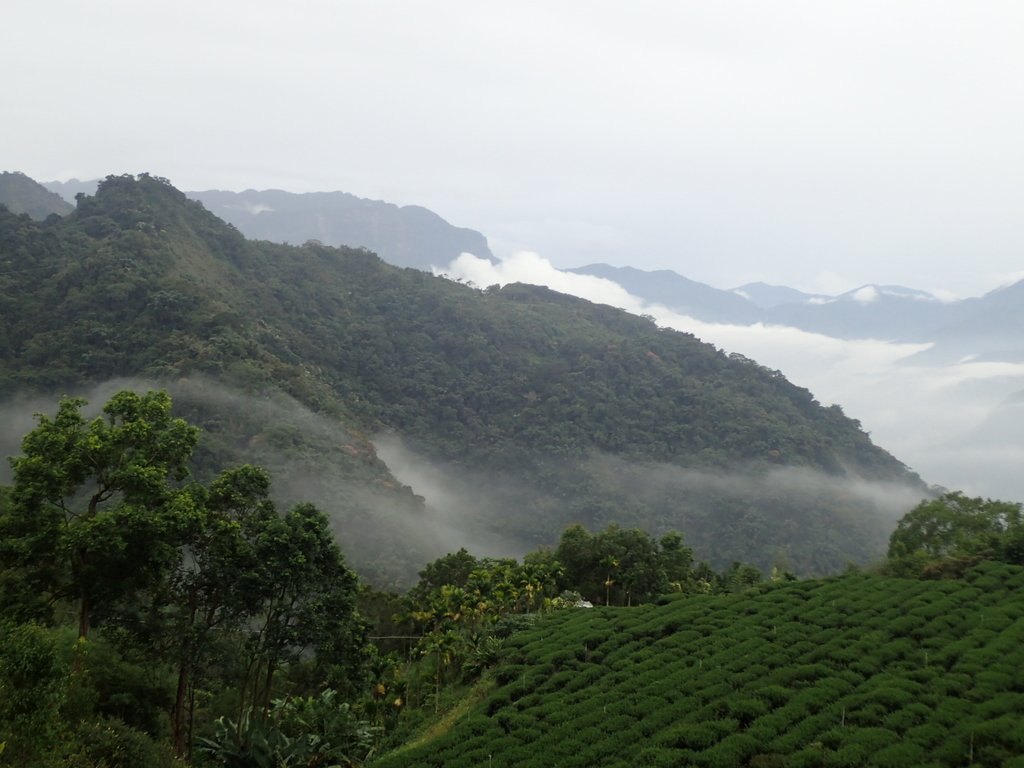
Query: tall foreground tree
point(205, 596)
point(271, 586)
point(95, 502)
point(196, 575)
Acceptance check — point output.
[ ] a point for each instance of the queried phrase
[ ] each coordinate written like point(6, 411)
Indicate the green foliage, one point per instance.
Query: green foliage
point(619, 566)
point(110, 743)
point(310, 731)
point(567, 407)
point(795, 673)
point(453, 569)
point(210, 585)
point(33, 688)
point(304, 600)
point(956, 526)
point(93, 510)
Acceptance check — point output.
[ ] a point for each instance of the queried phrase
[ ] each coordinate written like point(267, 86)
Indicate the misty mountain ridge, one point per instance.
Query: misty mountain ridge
point(340, 218)
point(406, 236)
point(671, 289)
point(765, 296)
point(989, 327)
point(970, 329)
point(535, 409)
point(20, 194)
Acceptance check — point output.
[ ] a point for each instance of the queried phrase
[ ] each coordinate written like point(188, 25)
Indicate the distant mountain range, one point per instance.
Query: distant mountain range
point(990, 327)
point(406, 236)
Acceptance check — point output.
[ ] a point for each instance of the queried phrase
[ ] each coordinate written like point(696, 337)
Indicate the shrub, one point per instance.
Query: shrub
point(33, 688)
point(112, 744)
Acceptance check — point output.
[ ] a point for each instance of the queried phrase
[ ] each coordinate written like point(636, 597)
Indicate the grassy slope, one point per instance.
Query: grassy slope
point(856, 670)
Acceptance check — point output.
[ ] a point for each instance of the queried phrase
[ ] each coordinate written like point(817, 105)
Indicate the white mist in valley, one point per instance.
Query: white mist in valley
point(386, 532)
point(393, 510)
point(959, 426)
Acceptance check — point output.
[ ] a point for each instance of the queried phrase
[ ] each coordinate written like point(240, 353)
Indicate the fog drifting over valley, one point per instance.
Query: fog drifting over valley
point(390, 529)
point(385, 531)
point(959, 426)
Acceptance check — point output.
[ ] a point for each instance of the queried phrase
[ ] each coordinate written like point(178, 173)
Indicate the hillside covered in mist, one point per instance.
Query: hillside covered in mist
point(511, 413)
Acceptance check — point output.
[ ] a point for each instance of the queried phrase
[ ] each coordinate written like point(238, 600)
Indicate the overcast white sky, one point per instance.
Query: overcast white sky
point(817, 144)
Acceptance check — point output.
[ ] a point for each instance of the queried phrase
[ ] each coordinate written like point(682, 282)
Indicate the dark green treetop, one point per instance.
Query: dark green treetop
point(94, 501)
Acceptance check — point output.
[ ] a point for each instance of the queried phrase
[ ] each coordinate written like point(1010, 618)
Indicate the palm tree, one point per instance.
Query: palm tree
point(610, 563)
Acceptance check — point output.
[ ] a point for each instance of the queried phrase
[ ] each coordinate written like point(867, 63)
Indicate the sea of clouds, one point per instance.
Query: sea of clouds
point(960, 426)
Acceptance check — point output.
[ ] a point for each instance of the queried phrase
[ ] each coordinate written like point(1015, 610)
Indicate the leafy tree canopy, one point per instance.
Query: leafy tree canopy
point(94, 503)
point(959, 526)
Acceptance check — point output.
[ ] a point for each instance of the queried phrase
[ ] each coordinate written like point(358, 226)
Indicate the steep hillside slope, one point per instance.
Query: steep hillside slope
point(530, 409)
point(860, 670)
point(20, 194)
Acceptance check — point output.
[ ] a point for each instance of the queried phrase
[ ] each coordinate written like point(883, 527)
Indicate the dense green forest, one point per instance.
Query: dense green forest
point(542, 410)
point(151, 619)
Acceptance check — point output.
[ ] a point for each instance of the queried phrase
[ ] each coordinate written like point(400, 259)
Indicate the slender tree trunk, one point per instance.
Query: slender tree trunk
point(178, 713)
point(191, 717)
point(78, 563)
point(84, 616)
point(266, 690)
point(242, 690)
point(184, 680)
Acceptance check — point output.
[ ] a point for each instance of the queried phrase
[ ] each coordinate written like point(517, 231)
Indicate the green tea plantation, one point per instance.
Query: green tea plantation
point(850, 671)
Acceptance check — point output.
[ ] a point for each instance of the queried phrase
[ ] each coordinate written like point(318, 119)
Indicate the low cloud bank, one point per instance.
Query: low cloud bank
point(392, 521)
point(943, 421)
point(795, 516)
point(386, 532)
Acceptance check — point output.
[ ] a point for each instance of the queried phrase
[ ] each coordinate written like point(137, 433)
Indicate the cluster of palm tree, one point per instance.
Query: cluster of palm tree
point(462, 621)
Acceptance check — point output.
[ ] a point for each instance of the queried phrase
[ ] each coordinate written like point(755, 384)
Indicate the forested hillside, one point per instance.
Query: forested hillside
point(536, 408)
point(152, 619)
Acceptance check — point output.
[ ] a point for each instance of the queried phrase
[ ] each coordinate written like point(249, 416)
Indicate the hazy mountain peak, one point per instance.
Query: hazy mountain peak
point(873, 292)
point(679, 293)
point(406, 236)
point(24, 195)
point(68, 189)
point(768, 296)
